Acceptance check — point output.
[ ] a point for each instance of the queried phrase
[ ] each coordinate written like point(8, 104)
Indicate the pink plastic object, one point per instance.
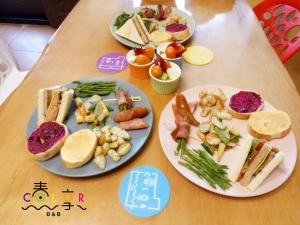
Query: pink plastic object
point(277, 18)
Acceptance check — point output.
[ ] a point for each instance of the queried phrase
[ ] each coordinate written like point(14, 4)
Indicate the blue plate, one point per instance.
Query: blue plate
point(138, 137)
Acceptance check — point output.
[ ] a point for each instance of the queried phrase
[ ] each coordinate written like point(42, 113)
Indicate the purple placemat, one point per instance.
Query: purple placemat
point(112, 62)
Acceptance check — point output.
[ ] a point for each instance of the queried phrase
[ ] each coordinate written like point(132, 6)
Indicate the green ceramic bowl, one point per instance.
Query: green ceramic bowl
point(165, 87)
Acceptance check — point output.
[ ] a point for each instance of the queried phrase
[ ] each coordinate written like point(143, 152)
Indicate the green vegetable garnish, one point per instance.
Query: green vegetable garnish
point(165, 76)
point(103, 122)
point(147, 24)
point(122, 19)
point(208, 149)
point(92, 107)
point(110, 109)
point(255, 142)
point(221, 135)
point(235, 138)
point(93, 88)
point(206, 168)
point(181, 144)
point(123, 107)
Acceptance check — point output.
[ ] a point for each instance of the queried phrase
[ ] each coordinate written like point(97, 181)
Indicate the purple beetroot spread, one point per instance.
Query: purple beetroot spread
point(176, 27)
point(245, 102)
point(45, 136)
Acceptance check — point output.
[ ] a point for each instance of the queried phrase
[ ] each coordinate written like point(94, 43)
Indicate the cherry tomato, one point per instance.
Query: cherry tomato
point(170, 52)
point(156, 71)
point(179, 50)
point(150, 52)
point(142, 60)
point(165, 65)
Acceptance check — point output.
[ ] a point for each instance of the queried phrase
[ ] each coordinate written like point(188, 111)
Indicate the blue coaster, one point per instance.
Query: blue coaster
point(144, 191)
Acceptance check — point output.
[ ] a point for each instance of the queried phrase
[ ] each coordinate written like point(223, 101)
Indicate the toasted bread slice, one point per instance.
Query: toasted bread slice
point(79, 148)
point(269, 125)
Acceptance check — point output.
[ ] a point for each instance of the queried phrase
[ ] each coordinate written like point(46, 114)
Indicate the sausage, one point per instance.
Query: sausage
point(137, 112)
point(184, 110)
point(123, 116)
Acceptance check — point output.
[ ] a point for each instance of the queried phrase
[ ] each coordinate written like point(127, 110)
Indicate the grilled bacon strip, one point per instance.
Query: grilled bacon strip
point(123, 99)
point(134, 124)
point(162, 13)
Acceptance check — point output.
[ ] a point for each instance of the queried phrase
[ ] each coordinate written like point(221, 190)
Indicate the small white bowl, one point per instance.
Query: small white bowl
point(162, 48)
point(165, 86)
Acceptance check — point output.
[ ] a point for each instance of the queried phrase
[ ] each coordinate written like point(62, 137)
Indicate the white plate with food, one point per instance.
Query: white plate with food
point(90, 134)
point(152, 25)
point(254, 166)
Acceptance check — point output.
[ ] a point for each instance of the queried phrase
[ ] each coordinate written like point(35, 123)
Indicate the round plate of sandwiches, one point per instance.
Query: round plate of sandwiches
point(152, 25)
point(228, 141)
point(88, 127)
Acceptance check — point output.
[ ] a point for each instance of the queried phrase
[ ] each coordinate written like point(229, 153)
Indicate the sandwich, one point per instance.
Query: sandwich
point(54, 103)
point(261, 160)
point(134, 30)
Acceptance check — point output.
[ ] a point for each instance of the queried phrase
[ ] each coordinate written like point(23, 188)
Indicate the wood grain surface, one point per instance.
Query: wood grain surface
point(243, 58)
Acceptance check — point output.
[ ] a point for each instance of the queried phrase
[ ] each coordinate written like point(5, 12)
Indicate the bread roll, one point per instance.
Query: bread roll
point(269, 125)
point(159, 37)
point(79, 148)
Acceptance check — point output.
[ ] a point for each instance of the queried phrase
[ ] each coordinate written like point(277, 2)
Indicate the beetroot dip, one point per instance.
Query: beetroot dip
point(45, 136)
point(245, 102)
point(176, 27)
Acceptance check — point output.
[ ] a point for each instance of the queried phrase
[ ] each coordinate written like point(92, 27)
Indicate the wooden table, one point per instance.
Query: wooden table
point(243, 58)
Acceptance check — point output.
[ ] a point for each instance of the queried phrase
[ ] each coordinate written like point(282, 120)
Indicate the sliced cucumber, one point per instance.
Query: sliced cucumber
point(165, 76)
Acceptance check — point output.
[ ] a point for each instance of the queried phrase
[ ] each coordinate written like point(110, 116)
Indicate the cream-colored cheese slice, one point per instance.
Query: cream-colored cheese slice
point(78, 148)
point(198, 55)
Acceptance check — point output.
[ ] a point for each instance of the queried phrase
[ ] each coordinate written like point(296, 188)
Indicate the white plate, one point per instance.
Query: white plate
point(274, 180)
point(190, 23)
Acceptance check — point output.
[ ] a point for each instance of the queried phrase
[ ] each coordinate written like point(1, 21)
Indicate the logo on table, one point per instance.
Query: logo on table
point(144, 191)
point(41, 199)
point(112, 62)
